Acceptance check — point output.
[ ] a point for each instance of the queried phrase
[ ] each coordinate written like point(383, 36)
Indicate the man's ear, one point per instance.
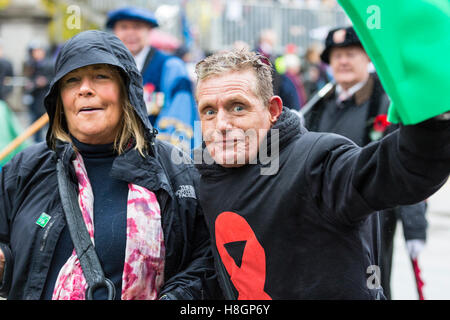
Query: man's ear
point(275, 108)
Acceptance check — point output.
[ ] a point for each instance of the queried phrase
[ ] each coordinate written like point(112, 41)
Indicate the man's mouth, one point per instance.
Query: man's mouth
point(228, 141)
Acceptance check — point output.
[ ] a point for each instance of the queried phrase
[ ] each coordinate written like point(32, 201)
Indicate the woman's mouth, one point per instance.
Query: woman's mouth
point(89, 109)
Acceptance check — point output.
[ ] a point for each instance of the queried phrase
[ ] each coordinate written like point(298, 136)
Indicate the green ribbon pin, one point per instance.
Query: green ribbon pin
point(43, 219)
point(408, 41)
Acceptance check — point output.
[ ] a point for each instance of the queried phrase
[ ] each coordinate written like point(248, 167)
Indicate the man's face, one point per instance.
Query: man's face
point(38, 54)
point(234, 119)
point(349, 65)
point(134, 34)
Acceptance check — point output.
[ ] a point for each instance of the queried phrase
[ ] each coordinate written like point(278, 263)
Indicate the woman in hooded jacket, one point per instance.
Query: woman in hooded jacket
point(101, 162)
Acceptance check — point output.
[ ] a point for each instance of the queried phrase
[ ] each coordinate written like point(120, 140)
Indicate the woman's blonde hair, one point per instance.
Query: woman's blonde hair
point(130, 127)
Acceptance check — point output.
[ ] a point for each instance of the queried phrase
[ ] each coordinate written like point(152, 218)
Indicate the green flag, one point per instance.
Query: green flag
point(10, 128)
point(408, 41)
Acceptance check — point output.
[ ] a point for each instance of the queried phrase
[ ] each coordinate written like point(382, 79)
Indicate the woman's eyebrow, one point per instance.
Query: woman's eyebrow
point(99, 67)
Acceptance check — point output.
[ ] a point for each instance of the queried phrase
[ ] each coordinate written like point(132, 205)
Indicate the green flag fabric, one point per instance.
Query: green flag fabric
point(408, 42)
point(9, 129)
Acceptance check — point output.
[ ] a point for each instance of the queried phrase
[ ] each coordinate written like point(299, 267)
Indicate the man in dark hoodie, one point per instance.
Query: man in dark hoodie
point(148, 229)
point(286, 208)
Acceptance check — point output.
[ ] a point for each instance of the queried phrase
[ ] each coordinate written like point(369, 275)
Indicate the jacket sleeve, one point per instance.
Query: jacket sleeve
point(197, 280)
point(5, 219)
point(347, 183)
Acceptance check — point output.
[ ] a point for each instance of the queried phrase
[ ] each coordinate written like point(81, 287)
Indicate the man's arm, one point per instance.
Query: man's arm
point(348, 183)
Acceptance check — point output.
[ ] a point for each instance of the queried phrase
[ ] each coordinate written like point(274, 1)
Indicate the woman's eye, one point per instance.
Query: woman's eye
point(71, 80)
point(102, 76)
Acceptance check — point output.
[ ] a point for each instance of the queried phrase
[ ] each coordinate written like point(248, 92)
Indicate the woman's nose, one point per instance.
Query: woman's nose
point(85, 87)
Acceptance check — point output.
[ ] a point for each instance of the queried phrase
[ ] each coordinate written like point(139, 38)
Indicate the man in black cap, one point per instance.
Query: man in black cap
point(356, 107)
point(167, 87)
point(357, 99)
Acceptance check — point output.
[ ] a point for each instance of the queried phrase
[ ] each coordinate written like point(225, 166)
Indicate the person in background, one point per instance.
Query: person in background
point(39, 71)
point(167, 86)
point(414, 225)
point(282, 85)
point(138, 206)
point(6, 70)
point(313, 71)
point(289, 65)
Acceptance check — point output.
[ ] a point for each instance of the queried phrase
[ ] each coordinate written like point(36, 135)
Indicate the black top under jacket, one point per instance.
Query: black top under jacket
point(298, 233)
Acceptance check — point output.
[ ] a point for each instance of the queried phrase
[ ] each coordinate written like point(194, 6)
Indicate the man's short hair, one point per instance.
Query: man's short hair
point(239, 60)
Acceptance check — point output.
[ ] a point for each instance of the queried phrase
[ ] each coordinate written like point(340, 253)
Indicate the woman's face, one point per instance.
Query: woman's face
point(92, 103)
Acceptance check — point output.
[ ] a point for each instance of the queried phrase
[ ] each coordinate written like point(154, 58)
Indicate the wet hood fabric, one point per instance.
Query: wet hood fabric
point(95, 47)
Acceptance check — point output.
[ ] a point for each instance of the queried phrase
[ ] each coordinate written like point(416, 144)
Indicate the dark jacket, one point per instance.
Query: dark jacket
point(6, 70)
point(353, 118)
point(297, 234)
point(29, 186)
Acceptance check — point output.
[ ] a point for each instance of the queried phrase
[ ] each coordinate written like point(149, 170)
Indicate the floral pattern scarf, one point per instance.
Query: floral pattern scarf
point(143, 273)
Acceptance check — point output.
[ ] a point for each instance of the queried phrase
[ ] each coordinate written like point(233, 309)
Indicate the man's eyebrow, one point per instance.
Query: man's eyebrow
point(238, 98)
point(204, 104)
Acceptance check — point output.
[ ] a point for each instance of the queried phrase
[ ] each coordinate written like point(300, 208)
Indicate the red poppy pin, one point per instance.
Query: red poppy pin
point(380, 125)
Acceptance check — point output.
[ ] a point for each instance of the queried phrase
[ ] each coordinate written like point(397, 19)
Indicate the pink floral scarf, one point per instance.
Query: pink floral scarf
point(143, 273)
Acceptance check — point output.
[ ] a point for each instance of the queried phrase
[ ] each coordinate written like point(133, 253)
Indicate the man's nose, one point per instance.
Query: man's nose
point(344, 59)
point(86, 87)
point(223, 121)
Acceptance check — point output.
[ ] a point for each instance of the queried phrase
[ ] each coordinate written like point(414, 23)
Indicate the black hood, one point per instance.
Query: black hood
point(95, 47)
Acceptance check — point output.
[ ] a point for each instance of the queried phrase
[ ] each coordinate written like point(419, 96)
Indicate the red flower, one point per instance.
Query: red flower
point(149, 88)
point(380, 123)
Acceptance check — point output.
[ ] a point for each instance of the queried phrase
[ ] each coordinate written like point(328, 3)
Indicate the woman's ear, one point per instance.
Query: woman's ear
point(275, 108)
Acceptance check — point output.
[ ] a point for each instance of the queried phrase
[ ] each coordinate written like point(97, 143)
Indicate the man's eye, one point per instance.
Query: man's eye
point(238, 108)
point(209, 112)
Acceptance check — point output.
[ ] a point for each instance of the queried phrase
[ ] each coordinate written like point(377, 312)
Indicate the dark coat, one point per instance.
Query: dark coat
point(29, 186)
point(353, 118)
